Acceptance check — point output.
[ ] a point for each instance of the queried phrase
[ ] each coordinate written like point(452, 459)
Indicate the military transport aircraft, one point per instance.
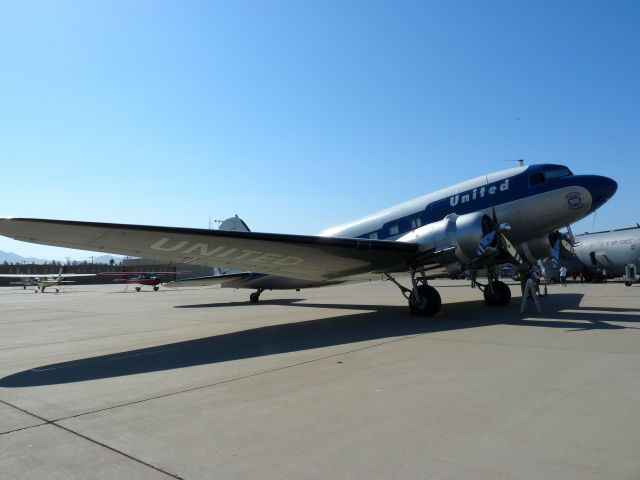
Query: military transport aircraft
point(602, 255)
point(611, 254)
point(41, 281)
point(499, 218)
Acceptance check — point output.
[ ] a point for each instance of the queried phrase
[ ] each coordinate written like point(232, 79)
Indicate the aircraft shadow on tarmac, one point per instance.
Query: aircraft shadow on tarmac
point(379, 323)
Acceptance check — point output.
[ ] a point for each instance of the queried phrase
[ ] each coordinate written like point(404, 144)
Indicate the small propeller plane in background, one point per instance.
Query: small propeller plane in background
point(41, 281)
point(152, 279)
point(483, 223)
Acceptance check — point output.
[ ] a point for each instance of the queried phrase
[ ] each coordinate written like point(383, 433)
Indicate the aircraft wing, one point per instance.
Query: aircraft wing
point(19, 275)
point(294, 256)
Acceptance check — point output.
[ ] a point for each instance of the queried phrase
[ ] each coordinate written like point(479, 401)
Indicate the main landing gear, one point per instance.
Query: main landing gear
point(424, 300)
point(496, 293)
point(255, 296)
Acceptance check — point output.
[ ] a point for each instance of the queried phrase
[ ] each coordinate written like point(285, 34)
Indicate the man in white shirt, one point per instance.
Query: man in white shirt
point(563, 275)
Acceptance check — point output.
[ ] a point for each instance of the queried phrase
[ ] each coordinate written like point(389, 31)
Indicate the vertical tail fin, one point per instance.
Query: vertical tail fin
point(234, 224)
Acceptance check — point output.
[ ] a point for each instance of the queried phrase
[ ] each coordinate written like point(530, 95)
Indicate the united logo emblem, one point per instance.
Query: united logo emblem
point(574, 200)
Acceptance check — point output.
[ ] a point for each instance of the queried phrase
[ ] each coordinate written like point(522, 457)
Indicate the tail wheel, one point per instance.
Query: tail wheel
point(427, 304)
point(498, 295)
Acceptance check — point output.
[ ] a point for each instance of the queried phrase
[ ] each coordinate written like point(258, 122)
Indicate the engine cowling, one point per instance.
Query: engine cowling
point(464, 232)
point(536, 249)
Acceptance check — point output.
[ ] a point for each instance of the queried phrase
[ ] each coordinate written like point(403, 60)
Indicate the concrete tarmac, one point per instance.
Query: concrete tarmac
point(339, 382)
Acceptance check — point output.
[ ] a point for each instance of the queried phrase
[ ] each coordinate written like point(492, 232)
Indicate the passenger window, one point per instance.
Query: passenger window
point(536, 179)
point(394, 230)
point(373, 235)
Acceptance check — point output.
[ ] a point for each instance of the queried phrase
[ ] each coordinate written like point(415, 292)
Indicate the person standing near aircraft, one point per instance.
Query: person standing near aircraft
point(563, 275)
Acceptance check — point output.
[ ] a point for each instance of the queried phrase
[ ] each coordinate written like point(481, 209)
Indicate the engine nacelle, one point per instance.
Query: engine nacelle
point(536, 249)
point(464, 232)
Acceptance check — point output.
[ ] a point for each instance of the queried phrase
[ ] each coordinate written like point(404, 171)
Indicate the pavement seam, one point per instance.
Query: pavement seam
point(24, 428)
point(73, 432)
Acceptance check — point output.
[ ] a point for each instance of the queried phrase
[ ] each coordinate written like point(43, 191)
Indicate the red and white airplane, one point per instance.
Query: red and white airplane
point(152, 279)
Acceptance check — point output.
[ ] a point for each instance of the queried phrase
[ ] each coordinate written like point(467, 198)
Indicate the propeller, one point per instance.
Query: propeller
point(495, 241)
point(561, 241)
point(555, 253)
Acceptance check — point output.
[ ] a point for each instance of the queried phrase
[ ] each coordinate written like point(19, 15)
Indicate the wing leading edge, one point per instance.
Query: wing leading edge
point(295, 256)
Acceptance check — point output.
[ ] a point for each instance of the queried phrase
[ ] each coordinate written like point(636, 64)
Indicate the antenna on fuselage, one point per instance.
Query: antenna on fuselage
point(519, 160)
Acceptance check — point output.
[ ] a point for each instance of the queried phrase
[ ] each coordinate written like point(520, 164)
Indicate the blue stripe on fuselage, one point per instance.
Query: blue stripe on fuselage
point(478, 198)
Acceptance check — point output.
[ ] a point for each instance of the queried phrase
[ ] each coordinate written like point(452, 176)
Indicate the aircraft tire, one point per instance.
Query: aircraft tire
point(628, 284)
point(254, 297)
point(429, 303)
point(499, 296)
point(138, 289)
point(156, 288)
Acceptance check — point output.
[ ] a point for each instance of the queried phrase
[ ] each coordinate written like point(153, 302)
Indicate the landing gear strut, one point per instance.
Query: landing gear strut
point(255, 296)
point(424, 300)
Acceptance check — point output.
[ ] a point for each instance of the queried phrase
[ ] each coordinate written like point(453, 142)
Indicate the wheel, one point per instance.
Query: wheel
point(156, 288)
point(628, 283)
point(57, 290)
point(428, 304)
point(138, 289)
point(499, 295)
point(254, 297)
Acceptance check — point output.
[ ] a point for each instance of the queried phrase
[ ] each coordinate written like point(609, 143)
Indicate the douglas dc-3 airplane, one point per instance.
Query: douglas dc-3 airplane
point(503, 217)
point(43, 281)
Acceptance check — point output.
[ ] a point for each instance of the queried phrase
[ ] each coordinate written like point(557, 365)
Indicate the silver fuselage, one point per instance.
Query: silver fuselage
point(532, 208)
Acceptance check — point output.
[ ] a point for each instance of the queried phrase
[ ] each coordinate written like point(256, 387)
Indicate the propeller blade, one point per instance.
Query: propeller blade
point(555, 255)
point(510, 249)
point(486, 242)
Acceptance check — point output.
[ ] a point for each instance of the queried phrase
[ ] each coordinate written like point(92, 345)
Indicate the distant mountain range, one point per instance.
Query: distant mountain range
point(11, 257)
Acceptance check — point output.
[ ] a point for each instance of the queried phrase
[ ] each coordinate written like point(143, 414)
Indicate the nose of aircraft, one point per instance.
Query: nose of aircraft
point(601, 190)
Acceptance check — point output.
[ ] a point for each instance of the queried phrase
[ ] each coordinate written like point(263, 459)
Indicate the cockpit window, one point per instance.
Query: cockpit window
point(557, 172)
point(536, 179)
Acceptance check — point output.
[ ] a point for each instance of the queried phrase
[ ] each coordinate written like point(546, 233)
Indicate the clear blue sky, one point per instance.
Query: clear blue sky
point(302, 115)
